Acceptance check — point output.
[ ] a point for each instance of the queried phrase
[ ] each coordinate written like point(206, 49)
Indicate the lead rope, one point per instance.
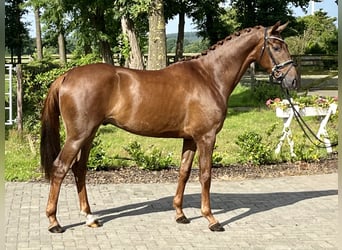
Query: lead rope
point(303, 124)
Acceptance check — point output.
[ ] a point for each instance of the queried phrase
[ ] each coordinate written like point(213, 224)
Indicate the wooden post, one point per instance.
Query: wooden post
point(299, 70)
point(252, 73)
point(19, 99)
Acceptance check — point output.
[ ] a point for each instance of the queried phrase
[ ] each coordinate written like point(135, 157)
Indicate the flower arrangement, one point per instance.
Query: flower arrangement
point(302, 102)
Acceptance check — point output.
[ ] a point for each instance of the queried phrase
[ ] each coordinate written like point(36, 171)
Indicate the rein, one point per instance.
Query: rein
point(305, 127)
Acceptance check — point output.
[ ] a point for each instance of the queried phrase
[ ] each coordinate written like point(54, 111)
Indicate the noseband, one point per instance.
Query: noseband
point(276, 73)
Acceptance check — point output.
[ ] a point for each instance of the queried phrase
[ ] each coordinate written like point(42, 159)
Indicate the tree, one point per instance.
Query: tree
point(265, 12)
point(95, 25)
point(132, 15)
point(55, 20)
point(135, 59)
point(180, 8)
point(37, 5)
point(15, 30)
point(317, 34)
point(208, 15)
point(157, 36)
point(39, 44)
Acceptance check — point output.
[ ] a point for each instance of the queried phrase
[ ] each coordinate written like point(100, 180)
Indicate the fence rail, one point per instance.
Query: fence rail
point(314, 62)
point(9, 94)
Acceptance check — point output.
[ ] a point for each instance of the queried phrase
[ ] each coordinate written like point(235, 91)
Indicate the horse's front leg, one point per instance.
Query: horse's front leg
point(188, 152)
point(80, 170)
point(205, 149)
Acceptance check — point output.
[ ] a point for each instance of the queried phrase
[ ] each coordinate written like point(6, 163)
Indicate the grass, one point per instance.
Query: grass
point(22, 158)
point(242, 97)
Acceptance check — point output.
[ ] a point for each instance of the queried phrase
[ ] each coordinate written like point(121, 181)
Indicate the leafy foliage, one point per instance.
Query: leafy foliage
point(264, 90)
point(253, 149)
point(15, 29)
point(98, 159)
point(152, 159)
point(317, 34)
point(265, 12)
point(38, 77)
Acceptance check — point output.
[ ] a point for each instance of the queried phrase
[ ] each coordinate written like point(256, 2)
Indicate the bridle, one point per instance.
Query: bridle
point(276, 72)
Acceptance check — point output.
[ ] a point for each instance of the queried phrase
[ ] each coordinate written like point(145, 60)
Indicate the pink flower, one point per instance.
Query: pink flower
point(269, 102)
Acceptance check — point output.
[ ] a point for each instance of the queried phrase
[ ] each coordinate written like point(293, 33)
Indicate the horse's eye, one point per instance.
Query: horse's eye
point(276, 48)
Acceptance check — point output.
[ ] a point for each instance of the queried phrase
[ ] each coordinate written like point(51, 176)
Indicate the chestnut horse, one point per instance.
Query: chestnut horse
point(185, 100)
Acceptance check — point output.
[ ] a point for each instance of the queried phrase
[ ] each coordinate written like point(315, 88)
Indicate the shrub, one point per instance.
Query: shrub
point(253, 150)
point(150, 160)
point(264, 90)
point(37, 80)
point(97, 157)
point(86, 59)
point(304, 152)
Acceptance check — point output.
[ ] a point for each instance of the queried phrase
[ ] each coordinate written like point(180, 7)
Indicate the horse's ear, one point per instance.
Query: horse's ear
point(279, 28)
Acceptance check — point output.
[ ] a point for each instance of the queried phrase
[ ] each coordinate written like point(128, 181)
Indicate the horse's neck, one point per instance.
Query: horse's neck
point(229, 62)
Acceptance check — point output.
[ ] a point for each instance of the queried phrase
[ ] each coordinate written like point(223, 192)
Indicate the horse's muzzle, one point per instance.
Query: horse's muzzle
point(290, 83)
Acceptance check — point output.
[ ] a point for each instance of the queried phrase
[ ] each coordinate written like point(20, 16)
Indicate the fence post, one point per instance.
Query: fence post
point(252, 73)
point(19, 99)
point(299, 70)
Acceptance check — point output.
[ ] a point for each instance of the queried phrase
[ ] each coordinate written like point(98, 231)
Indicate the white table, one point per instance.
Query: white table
point(287, 116)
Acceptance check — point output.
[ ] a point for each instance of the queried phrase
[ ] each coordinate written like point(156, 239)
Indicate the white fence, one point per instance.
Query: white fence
point(9, 69)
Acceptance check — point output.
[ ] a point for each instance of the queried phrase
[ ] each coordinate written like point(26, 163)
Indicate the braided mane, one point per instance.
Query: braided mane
point(220, 43)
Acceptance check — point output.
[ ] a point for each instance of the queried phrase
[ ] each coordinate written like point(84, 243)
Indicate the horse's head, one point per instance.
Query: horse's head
point(276, 59)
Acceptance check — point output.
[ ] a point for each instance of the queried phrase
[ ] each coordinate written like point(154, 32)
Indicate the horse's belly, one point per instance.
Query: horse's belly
point(154, 127)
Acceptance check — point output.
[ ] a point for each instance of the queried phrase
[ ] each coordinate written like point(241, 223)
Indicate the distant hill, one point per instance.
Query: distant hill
point(190, 36)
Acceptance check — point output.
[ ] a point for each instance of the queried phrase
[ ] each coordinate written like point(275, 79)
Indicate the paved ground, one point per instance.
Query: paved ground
point(276, 213)
point(332, 93)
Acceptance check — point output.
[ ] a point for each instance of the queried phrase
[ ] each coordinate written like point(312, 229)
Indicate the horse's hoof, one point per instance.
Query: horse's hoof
point(94, 224)
point(216, 227)
point(183, 220)
point(56, 229)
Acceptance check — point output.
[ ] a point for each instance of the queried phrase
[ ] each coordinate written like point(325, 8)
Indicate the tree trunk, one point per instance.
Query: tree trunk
point(106, 52)
point(105, 48)
point(61, 48)
point(39, 45)
point(157, 37)
point(135, 60)
point(180, 37)
point(87, 49)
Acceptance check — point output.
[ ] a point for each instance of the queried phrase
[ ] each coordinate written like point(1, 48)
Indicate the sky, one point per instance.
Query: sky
point(328, 6)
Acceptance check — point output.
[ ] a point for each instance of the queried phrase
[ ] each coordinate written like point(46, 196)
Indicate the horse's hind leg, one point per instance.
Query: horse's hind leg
point(61, 166)
point(80, 169)
point(188, 153)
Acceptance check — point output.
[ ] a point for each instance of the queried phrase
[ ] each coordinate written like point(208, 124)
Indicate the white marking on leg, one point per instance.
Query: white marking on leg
point(91, 219)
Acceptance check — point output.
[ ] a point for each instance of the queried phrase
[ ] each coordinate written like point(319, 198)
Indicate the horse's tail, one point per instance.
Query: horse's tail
point(49, 135)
